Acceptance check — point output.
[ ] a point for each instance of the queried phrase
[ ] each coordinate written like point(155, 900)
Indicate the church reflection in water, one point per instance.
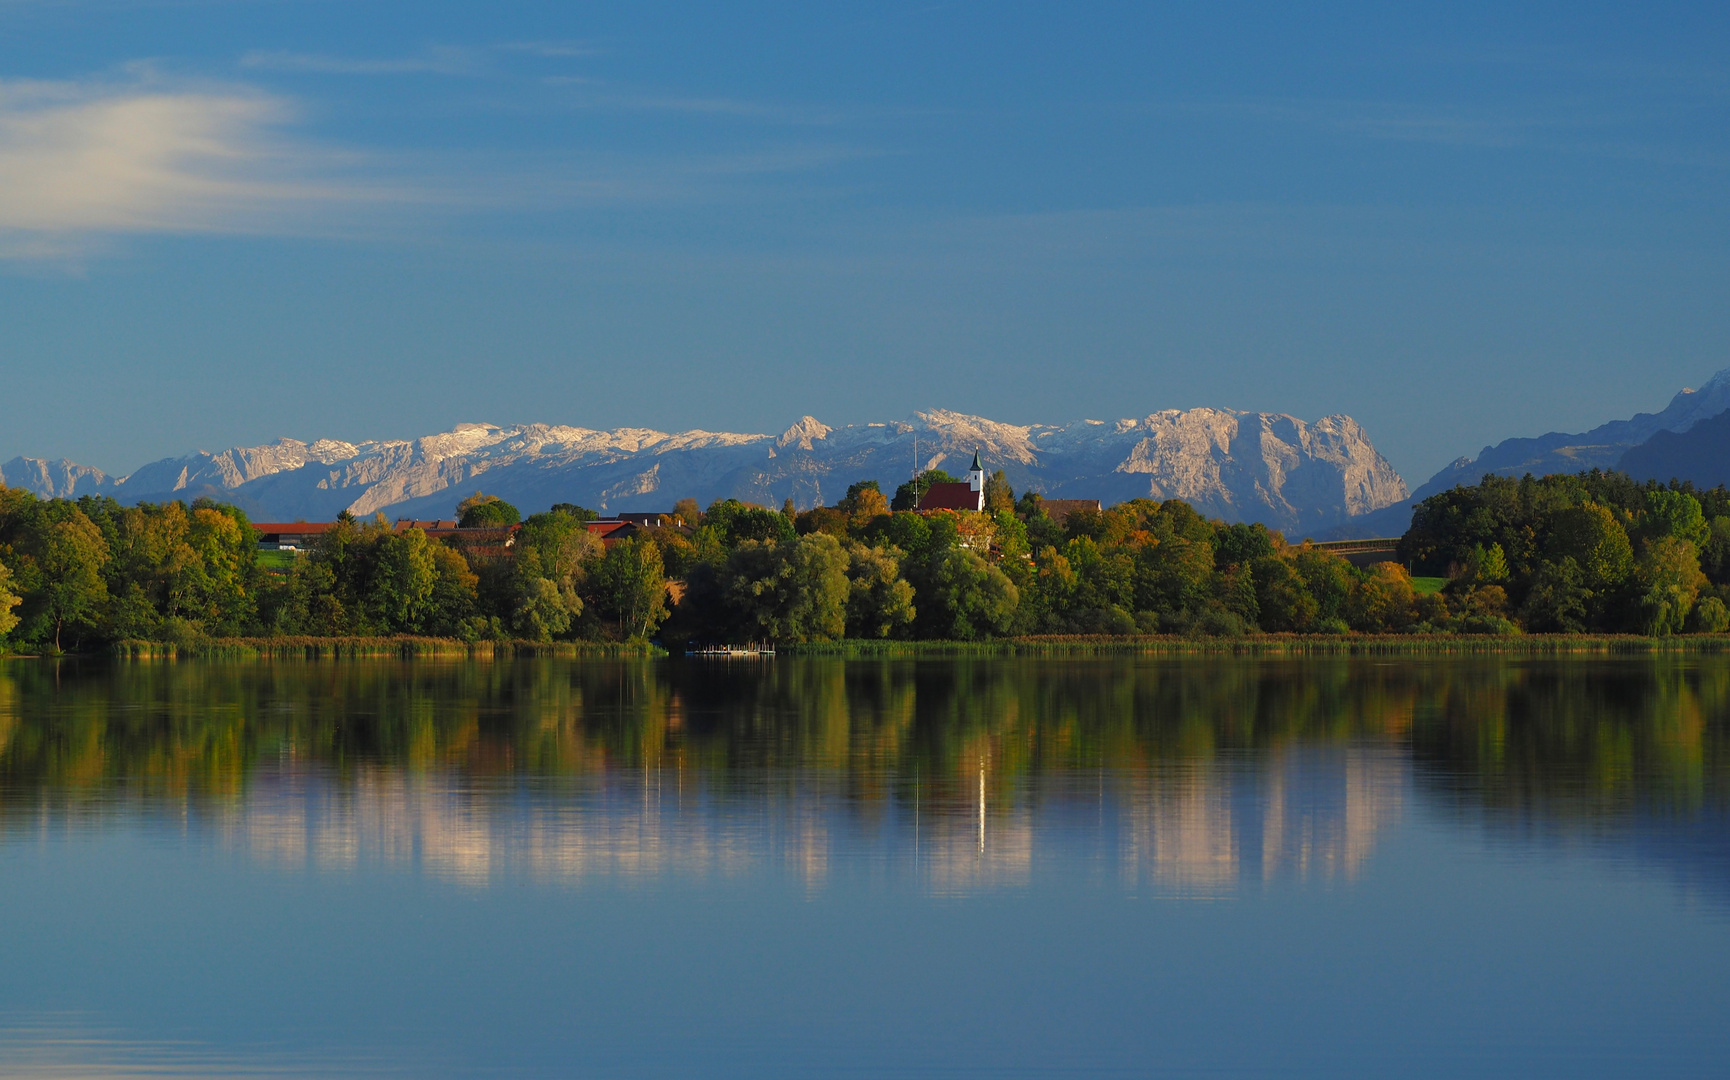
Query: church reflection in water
point(1303, 812)
point(1196, 778)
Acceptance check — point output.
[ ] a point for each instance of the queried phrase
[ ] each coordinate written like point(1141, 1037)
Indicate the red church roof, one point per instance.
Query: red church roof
point(952, 497)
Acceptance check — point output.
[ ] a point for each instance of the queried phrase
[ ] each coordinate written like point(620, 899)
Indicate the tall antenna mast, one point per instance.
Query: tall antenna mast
point(918, 496)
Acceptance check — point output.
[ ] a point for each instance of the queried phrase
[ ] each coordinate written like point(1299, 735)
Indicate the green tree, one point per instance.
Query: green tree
point(823, 519)
point(1669, 579)
point(964, 597)
point(403, 581)
point(1173, 574)
point(734, 523)
point(1558, 598)
point(1104, 577)
point(1715, 552)
point(1327, 578)
point(558, 547)
point(583, 513)
point(879, 599)
point(538, 611)
point(1710, 616)
point(1676, 514)
point(1591, 536)
point(1283, 603)
point(1485, 566)
point(480, 511)
point(1235, 544)
point(630, 584)
point(789, 592)
point(907, 496)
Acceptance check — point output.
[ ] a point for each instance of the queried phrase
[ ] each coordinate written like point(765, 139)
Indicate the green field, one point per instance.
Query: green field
point(277, 560)
point(1426, 585)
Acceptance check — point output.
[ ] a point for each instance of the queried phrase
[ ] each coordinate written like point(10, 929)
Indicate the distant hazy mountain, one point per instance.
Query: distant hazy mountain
point(1237, 466)
point(1607, 446)
point(1700, 454)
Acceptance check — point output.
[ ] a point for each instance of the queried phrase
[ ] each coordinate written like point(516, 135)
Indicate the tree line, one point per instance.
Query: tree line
point(1593, 551)
point(1589, 552)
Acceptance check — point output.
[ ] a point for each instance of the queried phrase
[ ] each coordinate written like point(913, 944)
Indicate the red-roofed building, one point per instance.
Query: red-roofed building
point(290, 535)
point(611, 532)
point(969, 494)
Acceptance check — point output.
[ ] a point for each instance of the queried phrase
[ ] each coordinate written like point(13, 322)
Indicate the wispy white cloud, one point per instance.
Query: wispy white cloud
point(551, 49)
point(435, 60)
point(80, 161)
point(598, 95)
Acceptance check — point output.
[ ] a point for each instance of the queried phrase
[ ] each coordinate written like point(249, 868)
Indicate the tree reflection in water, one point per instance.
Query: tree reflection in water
point(1194, 777)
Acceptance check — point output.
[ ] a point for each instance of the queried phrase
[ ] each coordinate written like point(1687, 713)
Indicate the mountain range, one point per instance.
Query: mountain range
point(1687, 439)
point(1321, 479)
point(1298, 476)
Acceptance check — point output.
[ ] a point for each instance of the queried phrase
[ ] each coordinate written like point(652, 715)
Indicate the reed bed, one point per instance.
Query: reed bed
point(1277, 645)
point(405, 647)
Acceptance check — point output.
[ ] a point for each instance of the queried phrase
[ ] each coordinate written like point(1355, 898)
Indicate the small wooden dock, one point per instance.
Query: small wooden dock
point(729, 652)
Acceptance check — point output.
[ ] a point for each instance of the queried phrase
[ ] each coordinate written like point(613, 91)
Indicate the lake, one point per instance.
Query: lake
point(1117, 867)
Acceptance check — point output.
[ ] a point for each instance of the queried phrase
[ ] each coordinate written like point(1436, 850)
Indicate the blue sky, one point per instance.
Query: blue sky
point(222, 223)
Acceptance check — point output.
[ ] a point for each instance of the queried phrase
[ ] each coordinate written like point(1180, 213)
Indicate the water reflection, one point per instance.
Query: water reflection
point(1197, 778)
point(61, 1047)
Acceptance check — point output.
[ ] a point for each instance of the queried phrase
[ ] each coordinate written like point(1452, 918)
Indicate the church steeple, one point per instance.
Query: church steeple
point(976, 479)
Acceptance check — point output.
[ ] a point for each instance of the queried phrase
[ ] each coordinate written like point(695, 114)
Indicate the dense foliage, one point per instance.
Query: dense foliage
point(74, 574)
point(862, 570)
point(1592, 552)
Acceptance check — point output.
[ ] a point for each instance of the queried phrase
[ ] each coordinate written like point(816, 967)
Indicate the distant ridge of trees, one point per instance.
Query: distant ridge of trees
point(1593, 551)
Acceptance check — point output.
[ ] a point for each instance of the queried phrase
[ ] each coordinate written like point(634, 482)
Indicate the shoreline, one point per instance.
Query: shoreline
point(1076, 646)
point(1280, 645)
point(399, 646)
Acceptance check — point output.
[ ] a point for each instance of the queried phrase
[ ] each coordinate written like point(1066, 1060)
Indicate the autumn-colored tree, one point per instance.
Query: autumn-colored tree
point(10, 600)
point(685, 512)
point(998, 494)
point(863, 501)
point(1382, 600)
point(68, 553)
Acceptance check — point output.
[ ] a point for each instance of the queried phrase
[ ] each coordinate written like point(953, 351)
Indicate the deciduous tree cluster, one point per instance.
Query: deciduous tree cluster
point(73, 574)
point(1590, 552)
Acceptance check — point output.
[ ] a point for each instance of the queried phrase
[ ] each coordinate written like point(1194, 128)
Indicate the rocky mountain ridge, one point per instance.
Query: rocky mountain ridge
point(1618, 444)
point(1298, 476)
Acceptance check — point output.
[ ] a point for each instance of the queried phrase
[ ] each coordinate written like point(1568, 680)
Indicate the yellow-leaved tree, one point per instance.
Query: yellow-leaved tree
point(8, 601)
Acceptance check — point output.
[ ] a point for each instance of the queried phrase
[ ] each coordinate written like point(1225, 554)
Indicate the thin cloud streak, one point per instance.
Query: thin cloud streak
point(437, 60)
point(551, 49)
point(82, 160)
point(1561, 127)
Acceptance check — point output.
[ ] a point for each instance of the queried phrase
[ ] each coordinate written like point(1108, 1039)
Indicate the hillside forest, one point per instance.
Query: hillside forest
point(1591, 552)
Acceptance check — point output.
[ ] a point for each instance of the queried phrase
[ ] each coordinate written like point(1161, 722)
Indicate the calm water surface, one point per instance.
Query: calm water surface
point(1135, 867)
